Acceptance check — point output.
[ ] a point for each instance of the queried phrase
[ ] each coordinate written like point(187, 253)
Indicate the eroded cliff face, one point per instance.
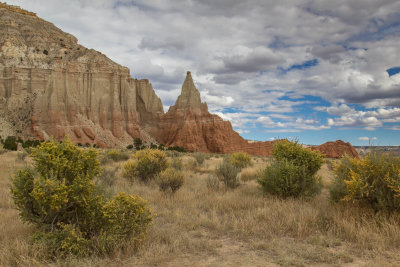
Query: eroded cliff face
point(52, 86)
point(189, 124)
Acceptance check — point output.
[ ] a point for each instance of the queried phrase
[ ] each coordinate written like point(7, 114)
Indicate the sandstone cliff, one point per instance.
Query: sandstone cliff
point(189, 124)
point(52, 86)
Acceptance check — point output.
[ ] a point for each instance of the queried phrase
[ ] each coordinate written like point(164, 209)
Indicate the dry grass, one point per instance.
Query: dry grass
point(201, 227)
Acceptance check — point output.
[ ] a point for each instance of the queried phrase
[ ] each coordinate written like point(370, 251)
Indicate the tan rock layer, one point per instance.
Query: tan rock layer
point(52, 86)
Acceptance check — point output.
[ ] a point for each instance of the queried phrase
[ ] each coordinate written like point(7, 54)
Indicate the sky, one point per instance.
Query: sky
point(313, 70)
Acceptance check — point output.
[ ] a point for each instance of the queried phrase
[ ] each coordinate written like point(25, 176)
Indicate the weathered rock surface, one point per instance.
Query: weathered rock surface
point(189, 124)
point(336, 149)
point(52, 86)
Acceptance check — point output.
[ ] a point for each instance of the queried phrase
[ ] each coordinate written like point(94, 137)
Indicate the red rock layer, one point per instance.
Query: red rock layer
point(336, 149)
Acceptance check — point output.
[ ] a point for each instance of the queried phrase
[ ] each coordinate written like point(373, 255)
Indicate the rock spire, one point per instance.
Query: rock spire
point(190, 96)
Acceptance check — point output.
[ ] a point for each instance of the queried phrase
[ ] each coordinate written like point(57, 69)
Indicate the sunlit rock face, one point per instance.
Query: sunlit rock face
point(189, 124)
point(52, 86)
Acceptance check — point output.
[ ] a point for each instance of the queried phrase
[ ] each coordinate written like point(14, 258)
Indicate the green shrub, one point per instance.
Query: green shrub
point(146, 165)
point(137, 142)
point(299, 156)
point(60, 198)
point(227, 173)
point(176, 148)
point(10, 143)
point(283, 178)
point(240, 160)
point(292, 173)
point(130, 147)
point(199, 157)
point(375, 179)
point(170, 179)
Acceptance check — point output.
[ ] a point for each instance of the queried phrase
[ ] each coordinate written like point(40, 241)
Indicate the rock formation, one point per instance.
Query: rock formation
point(52, 86)
point(189, 124)
point(336, 149)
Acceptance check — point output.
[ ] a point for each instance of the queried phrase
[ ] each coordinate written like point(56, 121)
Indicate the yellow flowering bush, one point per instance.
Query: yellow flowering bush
point(146, 165)
point(59, 197)
point(240, 160)
point(374, 179)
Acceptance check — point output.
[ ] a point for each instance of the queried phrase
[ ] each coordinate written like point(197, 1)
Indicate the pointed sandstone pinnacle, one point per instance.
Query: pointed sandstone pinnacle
point(190, 96)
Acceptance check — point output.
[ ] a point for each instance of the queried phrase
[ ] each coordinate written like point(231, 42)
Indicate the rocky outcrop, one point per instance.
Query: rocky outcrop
point(189, 124)
point(336, 149)
point(52, 86)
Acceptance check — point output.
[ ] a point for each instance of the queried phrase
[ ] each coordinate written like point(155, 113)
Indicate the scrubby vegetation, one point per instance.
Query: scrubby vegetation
point(293, 171)
point(116, 155)
point(240, 160)
point(374, 179)
point(170, 179)
point(59, 197)
point(146, 165)
point(201, 223)
point(227, 172)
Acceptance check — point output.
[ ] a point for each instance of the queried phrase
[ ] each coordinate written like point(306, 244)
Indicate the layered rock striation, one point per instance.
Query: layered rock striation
point(52, 86)
point(189, 124)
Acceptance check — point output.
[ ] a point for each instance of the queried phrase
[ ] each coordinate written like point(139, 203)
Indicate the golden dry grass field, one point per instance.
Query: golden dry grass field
point(203, 226)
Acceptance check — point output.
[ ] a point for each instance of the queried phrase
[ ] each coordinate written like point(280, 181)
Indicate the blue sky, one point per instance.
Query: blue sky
point(313, 70)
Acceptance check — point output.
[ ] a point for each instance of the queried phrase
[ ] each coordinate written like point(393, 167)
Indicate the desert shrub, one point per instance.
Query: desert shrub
point(374, 179)
point(146, 165)
point(129, 147)
point(176, 163)
point(338, 189)
point(227, 173)
point(292, 172)
point(199, 157)
point(299, 156)
point(170, 179)
point(30, 143)
point(172, 153)
point(60, 198)
point(137, 142)
point(10, 143)
point(212, 182)
point(283, 178)
point(176, 148)
point(240, 160)
point(116, 155)
point(249, 174)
